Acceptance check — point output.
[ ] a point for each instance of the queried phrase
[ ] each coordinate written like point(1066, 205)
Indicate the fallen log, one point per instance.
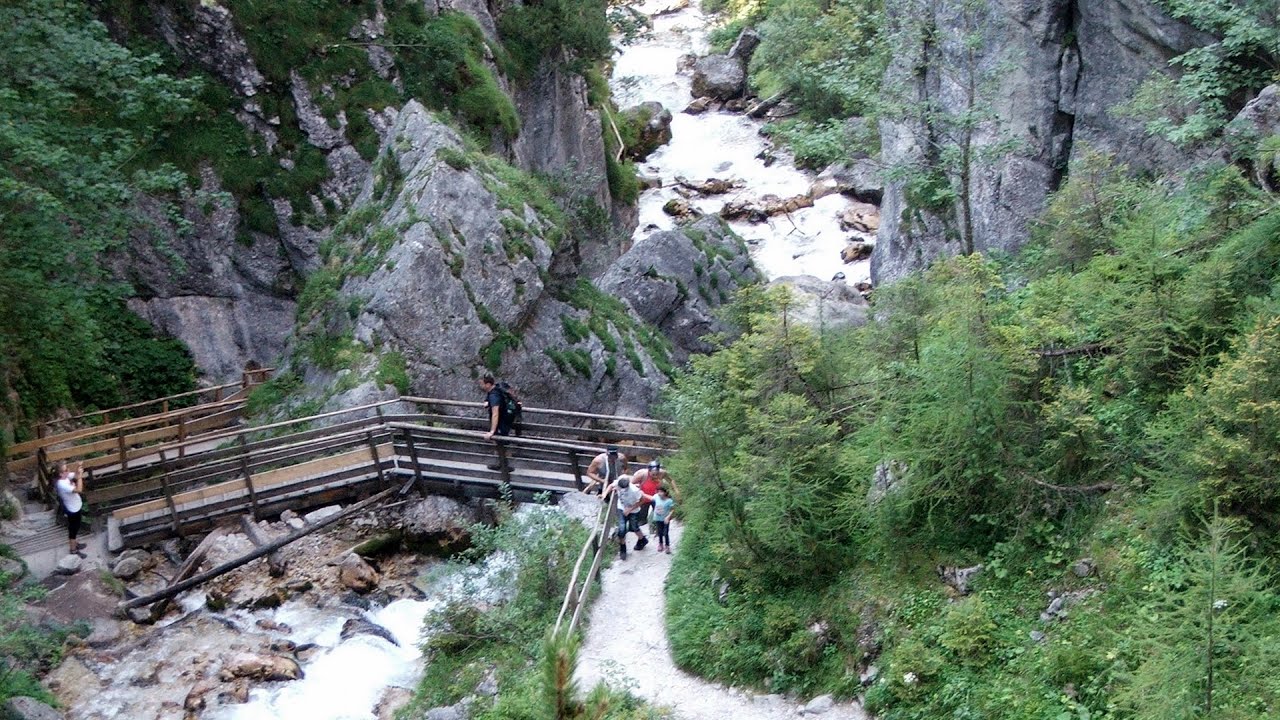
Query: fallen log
point(188, 566)
point(759, 110)
point(267, 549)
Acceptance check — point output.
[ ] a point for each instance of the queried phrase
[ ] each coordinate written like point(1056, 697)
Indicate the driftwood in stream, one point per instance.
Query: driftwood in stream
point(188, 567)
point(267, 549)
point(276, 564)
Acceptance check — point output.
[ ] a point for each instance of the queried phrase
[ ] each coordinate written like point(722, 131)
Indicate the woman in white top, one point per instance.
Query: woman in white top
point(69, 486)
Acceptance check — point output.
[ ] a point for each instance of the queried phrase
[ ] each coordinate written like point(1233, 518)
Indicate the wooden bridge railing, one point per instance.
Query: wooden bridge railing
point(591, 557)
point(269, 478)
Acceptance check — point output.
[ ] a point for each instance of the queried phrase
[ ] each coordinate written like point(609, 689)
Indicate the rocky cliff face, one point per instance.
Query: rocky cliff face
point(222, 273)
point(1021, 86)
point(446, 265)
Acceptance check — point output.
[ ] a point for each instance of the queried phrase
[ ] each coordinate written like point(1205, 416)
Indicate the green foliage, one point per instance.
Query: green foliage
point(392, 370)
point(536, 32)
point(1213, 80)
point(828, 56)
point(70, 122)
point(815, 145)
point(29, 649)
point(272, 393)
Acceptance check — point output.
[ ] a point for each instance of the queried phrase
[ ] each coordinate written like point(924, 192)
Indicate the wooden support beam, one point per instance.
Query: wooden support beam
point(377, 461)
point(413, 455)
point(267, 549)
point(248, 477)
point(577, 469)
point(168, 499)
point(276, 564)
point(188, 566)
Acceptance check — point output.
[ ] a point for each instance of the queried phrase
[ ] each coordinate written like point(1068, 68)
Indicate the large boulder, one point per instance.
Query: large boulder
point(721, 77)
point(674, 279)
point(356, 574)
point(745, 46)
point(260, 666)
point(1260, 119)
point(825, 303)
point(438, 519)
point(651, 124)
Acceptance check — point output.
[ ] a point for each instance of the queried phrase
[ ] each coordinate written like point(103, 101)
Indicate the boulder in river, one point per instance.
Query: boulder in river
point(361, 626)
point(856, 250)
point(679, 209)
point(859, 179)
point(860, 217)
point(719, 76)
point(745, 46)
point(710, 186)
point(356, 574)
point(650, 124)
point(260, 666)
point(698, 106)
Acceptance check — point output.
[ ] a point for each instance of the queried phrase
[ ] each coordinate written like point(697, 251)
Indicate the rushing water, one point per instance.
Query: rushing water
point(724, 145)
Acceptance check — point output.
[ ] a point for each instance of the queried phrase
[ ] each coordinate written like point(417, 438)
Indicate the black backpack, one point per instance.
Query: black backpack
point(509, 408)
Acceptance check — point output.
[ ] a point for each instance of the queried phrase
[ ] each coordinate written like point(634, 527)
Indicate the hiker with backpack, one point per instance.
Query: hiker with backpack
point(497, 407)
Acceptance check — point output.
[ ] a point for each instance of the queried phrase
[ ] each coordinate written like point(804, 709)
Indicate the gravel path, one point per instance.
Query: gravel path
point(626, 646)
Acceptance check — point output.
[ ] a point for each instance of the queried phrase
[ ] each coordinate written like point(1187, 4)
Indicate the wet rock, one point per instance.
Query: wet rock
point(69, 565)
point(774, 205)
point(127, 568)
point(196, 700)
point(823, 187)
point(355, 600)
point(356, 574)
point(284, 647)
point(736, 105)
point(819, 705)
point(685, 62)
point(743, 210)
point(710, 186)
point(1084, 567)
point(859, 179)
point(298, 585)
point(698, 106)
point(316, 516)
point(28, 708)
point(767, 157)
point(860, 217)
point(654, 124)
point(256, 666)
point(237, 694)
point(140, 616)
point(958, 578)
point(720, 77)
point(103, 632)
point(745, 46)
point(269, 624)
point(678, 208)
point(361, 626)
point(393, 698)
point(856, 250)
point(649, 182)
point(826, 303)
point(438, 519)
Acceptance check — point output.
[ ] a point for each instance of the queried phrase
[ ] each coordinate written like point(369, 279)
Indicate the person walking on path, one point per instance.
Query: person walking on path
point(69, 486)
point(629, 498)
point(605, 469)
point(495, 408)
point(663, 506)
point(649, 480)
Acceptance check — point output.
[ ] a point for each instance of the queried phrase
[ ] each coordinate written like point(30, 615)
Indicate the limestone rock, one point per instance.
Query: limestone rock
point(886, 479)
point(361, 626)
point(745, 46)
point(1084, 567)
point(103, 632)
point(258, 666)
point(316, 516)
point(859, 179)
point(856, 251)
point(356, 574)
point(69, 565)
point(127, 568)
point(698, 106)
point(819, 705)
point(678, 208)
point(860, 217)
point(654, 124)
point(28, 708)
point(675, 279)
point(826, 303)
point(720, 77)
point(958, 578)
point(437, 518)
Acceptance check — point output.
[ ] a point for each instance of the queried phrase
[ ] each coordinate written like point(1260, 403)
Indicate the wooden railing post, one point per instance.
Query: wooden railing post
point(417, 466)
point(124, 456)
point(182, 434)
point(577, 470)
point(504, 468)
point(377, 463)
point(248, 476)
point(217, 394)
point(168, 496)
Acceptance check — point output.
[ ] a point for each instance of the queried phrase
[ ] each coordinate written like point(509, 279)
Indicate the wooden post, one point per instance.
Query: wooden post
point(377, 464)
point(41, 429)
point(577, 469)
point(164, 406)
point(124, 456)
point(168, 497)
point(217, 394)
point(182, 435)
point(248, 476)
point(417, 466)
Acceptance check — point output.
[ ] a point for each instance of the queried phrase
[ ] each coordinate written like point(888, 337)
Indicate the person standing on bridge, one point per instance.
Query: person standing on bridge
point(605, 469)
point(69, 485)
point(495, 407)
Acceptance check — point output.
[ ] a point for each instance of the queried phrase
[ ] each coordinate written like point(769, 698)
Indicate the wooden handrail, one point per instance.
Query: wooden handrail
point(538, 411)
point(113, 428)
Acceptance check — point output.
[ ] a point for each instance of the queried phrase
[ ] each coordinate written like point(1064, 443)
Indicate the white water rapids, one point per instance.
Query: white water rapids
point(724, 145)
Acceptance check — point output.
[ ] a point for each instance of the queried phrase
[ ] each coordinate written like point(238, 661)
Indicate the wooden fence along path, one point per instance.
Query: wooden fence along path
point(132, 441)
point(261, 471)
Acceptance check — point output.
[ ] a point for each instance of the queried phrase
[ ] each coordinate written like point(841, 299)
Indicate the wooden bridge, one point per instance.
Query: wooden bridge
point(188, 486)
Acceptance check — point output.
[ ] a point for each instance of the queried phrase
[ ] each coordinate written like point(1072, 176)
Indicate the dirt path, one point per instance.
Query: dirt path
point(626, 646)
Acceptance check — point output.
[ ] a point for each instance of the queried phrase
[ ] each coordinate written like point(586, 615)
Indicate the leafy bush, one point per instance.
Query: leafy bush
point(534, 32)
